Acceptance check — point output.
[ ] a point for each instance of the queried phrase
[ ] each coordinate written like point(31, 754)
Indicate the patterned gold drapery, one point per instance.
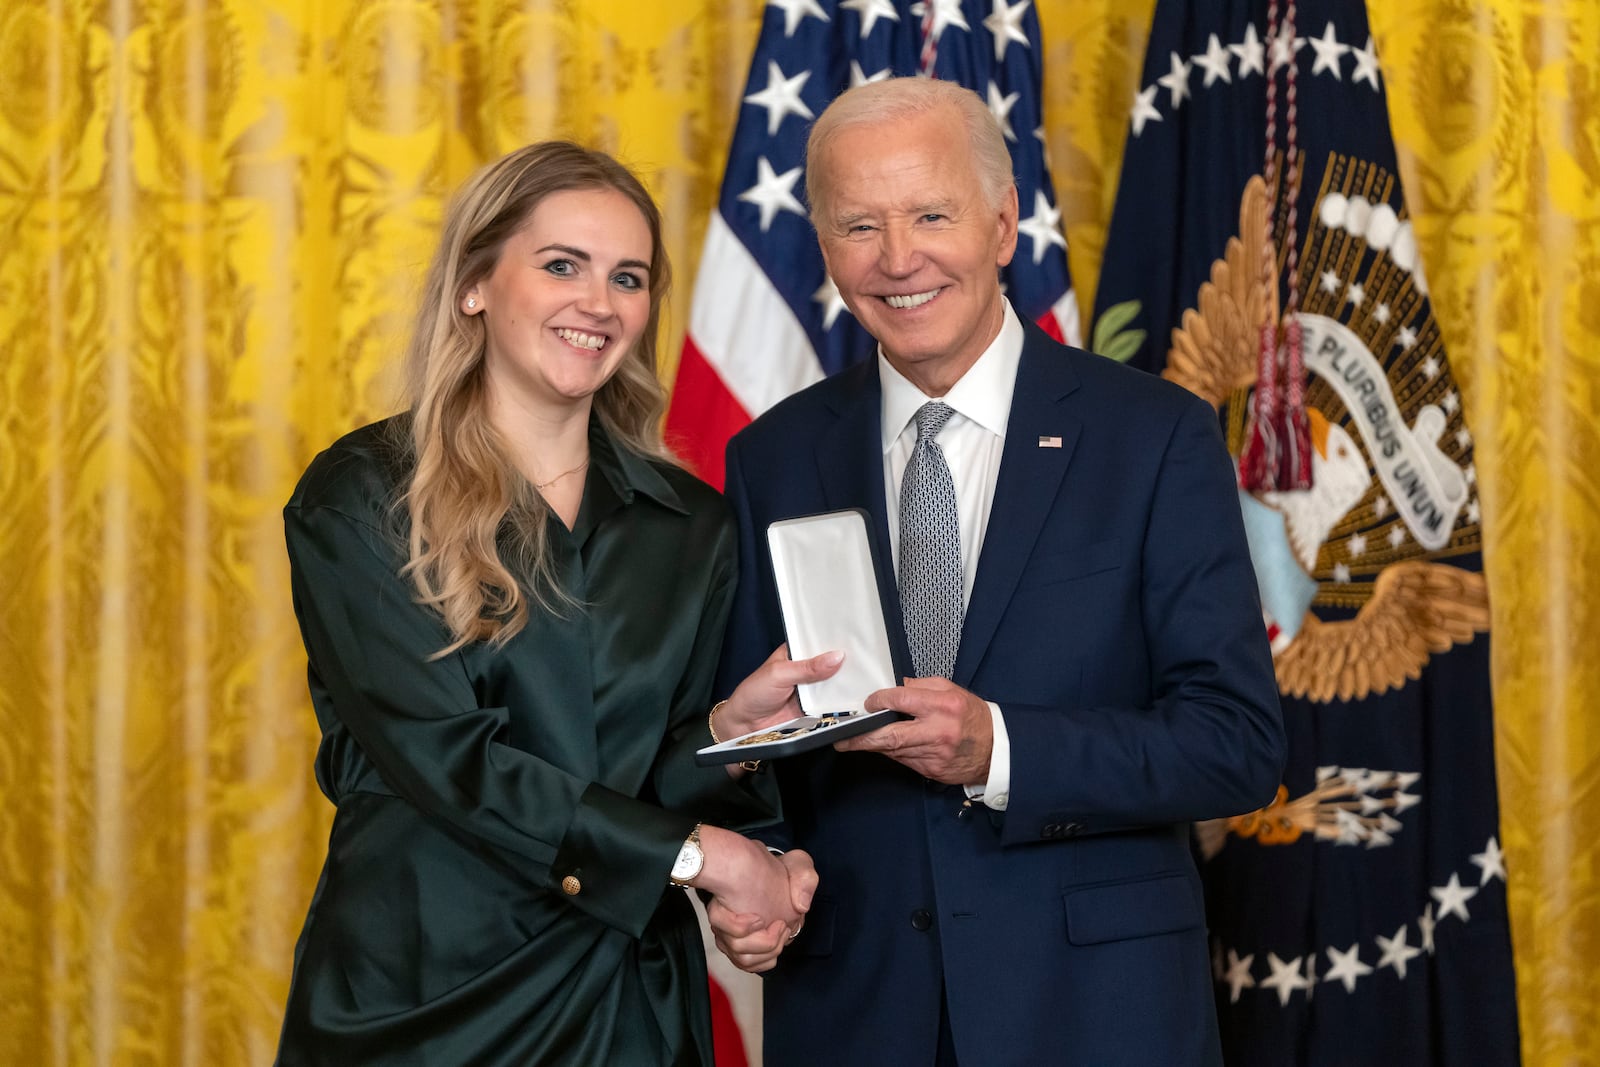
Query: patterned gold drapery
point(212, 216)
point(1497, 108)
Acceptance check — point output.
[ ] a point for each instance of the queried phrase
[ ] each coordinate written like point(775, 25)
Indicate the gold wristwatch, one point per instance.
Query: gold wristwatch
point(691, 858)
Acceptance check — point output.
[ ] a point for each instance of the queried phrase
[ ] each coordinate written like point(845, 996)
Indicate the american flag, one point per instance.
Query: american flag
point(766, 320)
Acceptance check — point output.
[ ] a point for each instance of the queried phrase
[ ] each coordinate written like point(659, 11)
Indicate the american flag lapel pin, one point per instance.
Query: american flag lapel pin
point(1049, 442)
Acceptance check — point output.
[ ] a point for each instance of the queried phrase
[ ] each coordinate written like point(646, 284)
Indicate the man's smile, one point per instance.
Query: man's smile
point(912, 300)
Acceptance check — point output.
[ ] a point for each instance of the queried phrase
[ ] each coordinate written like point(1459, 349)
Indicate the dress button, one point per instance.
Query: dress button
point(571, 886)
point(921, 919)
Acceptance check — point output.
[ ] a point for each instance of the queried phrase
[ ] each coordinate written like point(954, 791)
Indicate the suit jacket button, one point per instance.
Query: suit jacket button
point(1052, 829)
point(1072, 829)
point(921, 919)
point(571, 886)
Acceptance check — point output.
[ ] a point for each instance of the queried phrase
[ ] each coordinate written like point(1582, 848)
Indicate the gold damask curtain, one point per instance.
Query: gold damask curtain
point(212, 217)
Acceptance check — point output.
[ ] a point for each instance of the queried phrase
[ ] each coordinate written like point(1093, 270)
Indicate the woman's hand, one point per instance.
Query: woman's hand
point(767, 697)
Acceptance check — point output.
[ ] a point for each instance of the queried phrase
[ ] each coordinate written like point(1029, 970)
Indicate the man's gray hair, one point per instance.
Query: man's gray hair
point(884, 101)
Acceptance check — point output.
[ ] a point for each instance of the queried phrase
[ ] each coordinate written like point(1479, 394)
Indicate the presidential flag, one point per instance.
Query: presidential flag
point(1260, 254)
point(765, 319)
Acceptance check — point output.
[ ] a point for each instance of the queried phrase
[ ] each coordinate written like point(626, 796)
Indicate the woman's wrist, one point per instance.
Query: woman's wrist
point(731, 728)
point(729, 860)
point(717, 736)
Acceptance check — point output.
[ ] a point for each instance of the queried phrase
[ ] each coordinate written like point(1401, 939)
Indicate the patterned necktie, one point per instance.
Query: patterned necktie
point(930, 550)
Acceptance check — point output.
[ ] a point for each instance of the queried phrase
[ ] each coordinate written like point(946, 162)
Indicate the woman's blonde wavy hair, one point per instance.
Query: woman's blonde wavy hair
point(467, 502)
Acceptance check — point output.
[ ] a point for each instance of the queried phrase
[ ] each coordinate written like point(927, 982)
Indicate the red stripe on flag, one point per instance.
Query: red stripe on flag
point(1050, 325)
point(702, 416)
point(727, 1040)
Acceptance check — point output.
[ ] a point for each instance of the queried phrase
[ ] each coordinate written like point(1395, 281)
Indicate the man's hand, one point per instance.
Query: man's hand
point(767, 697)
point(948, 738)
point(751, 944)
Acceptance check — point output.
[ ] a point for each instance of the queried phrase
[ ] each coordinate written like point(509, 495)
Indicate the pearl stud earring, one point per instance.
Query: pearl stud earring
point(472, 302)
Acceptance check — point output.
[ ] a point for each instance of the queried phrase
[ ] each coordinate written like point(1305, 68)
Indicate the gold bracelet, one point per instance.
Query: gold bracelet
point(711, 721)
point(750, 765)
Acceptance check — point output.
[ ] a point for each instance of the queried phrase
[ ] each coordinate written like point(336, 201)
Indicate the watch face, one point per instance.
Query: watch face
point(689, 861)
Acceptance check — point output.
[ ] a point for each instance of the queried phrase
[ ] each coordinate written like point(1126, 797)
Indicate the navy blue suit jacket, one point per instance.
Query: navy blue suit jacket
point(1114, 619)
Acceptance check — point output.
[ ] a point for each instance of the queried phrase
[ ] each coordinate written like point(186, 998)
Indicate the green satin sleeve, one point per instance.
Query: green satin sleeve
point(418, 720)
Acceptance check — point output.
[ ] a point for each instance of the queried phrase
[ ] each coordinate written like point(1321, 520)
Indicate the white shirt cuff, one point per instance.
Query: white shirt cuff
point(996, 792)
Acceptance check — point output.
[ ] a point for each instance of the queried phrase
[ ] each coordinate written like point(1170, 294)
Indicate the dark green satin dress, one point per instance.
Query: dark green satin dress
point(496, 888)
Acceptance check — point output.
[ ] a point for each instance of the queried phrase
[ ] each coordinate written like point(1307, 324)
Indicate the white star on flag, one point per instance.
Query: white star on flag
point(1280, 45)
point(1329, 281)
point(946, 13)
point(1252, 55)
point(1001, 107)
point(1491, 861)
point(871, 11)
point(1356, 294)
point(1043, 227)
point(1346, 967)
point(781, 97)
point(1451, 402)
point(827, 295)
point(859, 77)
point(1407, 337)
point(1341, 573)
point(1286, 978)
point(1176, 80)
point(1425, 923)
point(1215, 62)
point(1366, 65)
point(1144, 109)
point(1381, 314)
point(773, 192)
point(1006, 25)
point(1397, 536)
point(1430, 367)
point(1463, 438)
point(1238, 974)
point(1329, 50)
point(1396, 953)
point(795, 10)
point(1453, 897)
point(1357, 545)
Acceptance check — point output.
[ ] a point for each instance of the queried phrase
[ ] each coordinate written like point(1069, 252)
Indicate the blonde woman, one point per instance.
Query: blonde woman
point(512, 602)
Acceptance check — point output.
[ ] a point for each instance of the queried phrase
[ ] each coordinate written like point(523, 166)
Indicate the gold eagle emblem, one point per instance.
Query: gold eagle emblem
point(1415, 607)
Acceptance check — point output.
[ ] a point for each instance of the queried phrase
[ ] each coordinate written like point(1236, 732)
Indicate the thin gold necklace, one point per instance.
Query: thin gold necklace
point(542, 486)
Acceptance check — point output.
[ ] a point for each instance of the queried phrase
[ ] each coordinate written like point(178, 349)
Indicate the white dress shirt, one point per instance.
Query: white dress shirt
point(972, 442)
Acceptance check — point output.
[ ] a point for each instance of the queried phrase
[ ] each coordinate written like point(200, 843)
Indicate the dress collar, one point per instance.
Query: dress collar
point(627, 472)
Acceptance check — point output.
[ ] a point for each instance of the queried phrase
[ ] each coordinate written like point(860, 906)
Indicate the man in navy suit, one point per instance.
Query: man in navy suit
point(1005, 876)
